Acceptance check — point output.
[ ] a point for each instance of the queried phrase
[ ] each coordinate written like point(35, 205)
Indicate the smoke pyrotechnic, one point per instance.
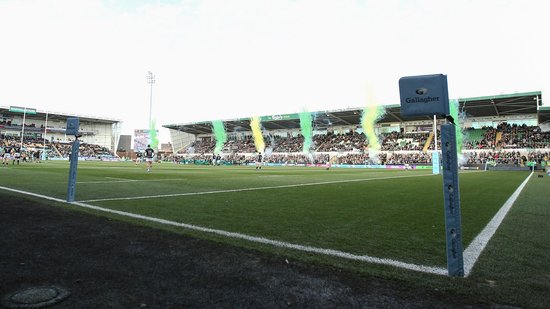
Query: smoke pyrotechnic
point(307, 130)
point(153, 138)
point(219, 133)
point(257, 134)
point(371, 114)
point(453, 108)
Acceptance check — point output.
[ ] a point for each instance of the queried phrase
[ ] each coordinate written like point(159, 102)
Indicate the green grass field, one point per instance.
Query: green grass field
point(387, 214)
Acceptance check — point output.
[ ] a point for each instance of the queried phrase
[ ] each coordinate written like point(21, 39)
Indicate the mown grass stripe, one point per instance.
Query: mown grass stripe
point(248, 189)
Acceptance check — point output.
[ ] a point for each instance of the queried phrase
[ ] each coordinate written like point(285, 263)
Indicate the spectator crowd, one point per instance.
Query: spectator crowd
point(504, 144)
point(57, 149)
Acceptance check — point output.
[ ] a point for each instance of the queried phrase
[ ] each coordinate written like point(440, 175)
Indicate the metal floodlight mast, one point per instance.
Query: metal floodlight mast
point(150, 81)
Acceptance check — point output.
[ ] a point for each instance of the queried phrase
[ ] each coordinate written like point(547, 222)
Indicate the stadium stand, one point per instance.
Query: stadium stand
point(44, 133)
point(499, 129)
point(351, 147)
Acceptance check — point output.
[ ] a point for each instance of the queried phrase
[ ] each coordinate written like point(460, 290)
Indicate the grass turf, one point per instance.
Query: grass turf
point(388, 214)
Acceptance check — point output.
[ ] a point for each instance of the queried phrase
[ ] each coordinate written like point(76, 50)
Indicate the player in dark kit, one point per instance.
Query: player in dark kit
point(7, 155)
point(16, 154)
point(149, 152)
point(259, 161)
point(37, 156)
point(138, 158)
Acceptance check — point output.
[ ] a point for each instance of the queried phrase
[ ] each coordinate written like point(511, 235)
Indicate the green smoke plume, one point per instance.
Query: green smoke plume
point(453, 108)
point(219, 133)
point(307, 129)
point(153, 138)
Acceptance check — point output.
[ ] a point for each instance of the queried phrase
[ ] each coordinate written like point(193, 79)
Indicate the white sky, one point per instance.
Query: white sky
point(223, 59)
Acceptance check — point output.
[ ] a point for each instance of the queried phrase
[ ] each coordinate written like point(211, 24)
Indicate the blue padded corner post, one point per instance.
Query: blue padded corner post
point(451, 193)
point(72, 171)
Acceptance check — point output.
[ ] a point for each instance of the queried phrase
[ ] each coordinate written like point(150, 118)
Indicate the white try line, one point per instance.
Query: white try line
point(249, 189)
point(472, 253)
point(262, 240)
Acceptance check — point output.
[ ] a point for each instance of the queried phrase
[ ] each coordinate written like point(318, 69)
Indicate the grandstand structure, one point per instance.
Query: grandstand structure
point(505, 128)
point(44, 131)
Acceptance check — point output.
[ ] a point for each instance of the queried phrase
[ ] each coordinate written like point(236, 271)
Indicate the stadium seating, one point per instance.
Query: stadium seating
point(480, 145)
point(57, 149)
point(517, 145)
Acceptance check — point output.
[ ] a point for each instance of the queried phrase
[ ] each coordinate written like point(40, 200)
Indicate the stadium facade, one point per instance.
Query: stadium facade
point(41, 129)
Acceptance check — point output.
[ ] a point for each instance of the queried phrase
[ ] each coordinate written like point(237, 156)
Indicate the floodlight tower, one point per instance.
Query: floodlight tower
point(150, 81)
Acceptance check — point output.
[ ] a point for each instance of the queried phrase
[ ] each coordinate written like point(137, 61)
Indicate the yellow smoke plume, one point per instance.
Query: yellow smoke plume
point(257, 134)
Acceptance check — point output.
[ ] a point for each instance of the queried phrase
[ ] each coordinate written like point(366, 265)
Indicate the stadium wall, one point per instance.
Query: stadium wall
point(181, 140)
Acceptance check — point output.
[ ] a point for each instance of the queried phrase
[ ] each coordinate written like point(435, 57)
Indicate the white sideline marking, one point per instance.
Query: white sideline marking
point(276, 243)
point(472, 253)
point(248, 189)
point(129, 180)
point(118, 178)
